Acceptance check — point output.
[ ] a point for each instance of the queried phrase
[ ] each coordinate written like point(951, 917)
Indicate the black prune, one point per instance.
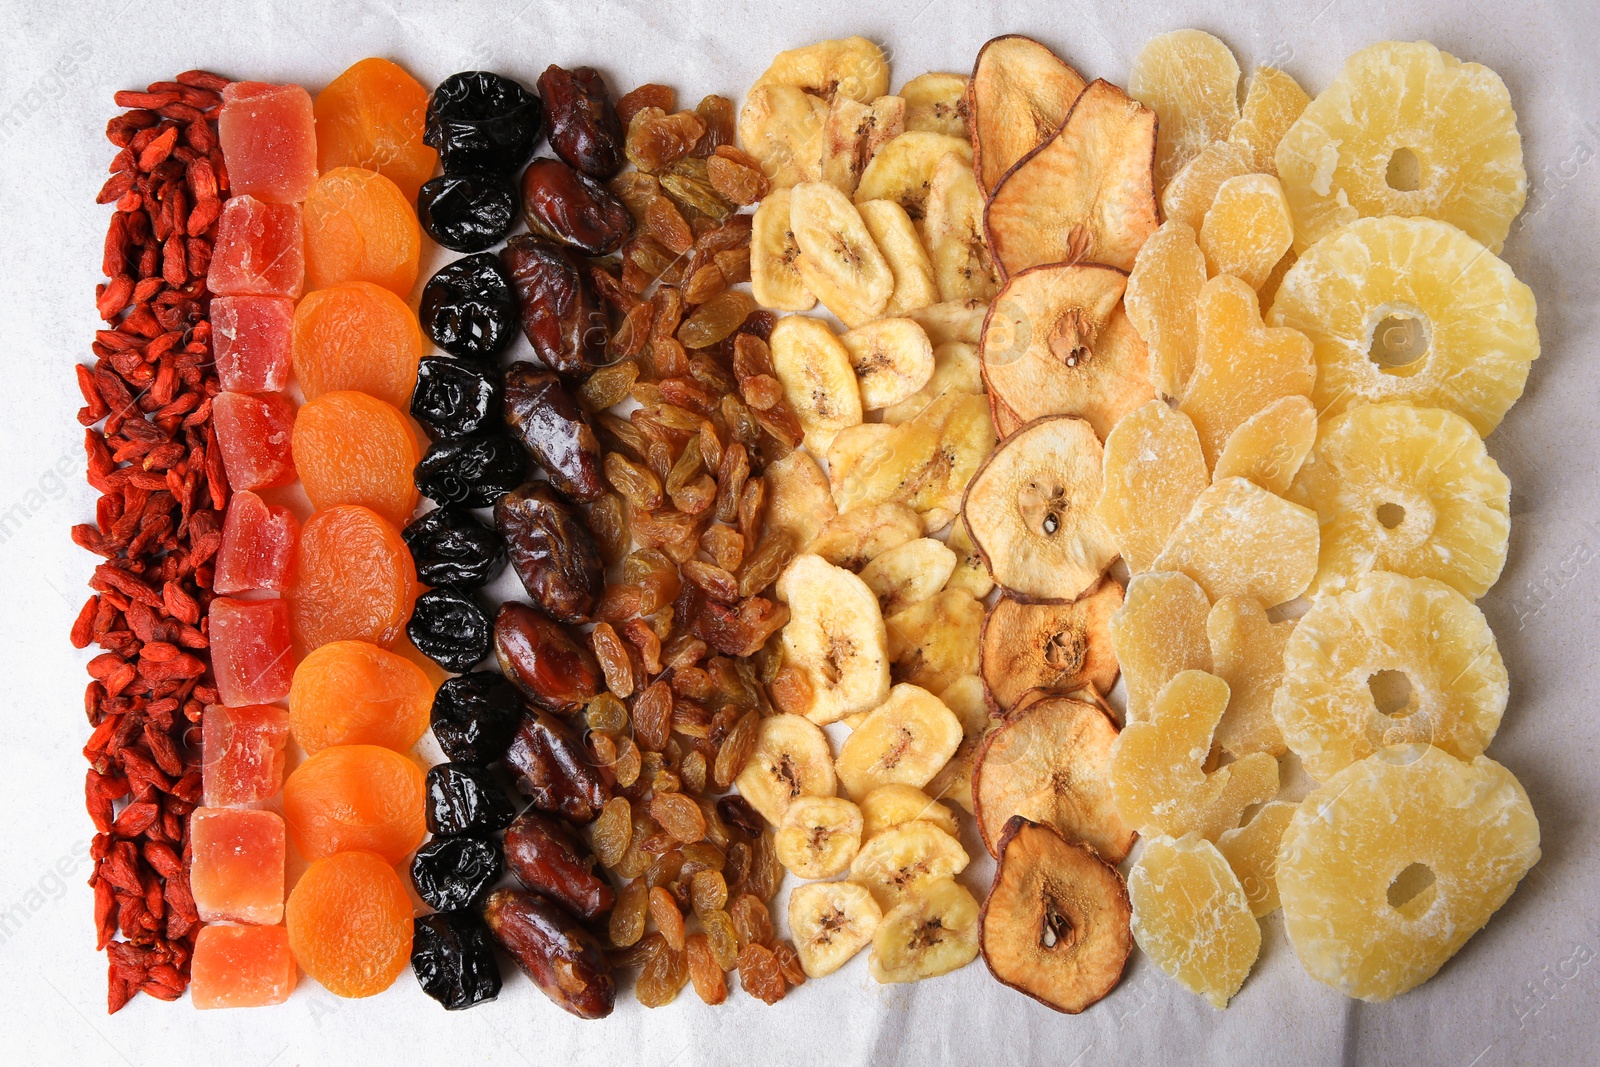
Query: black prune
point(450, 547)
point(475, 716)
point(467, 212)
point(573, 209)
point(472, 471)
point(544, 659)
point(454, 399)
point(547, 418)
point(451, 629)
point(553, 552)
point(453, 959)
point(557, 306)
point(468, 308)
point(456, 872)
point(479, 120)
point(584, 127)
point(463, 799)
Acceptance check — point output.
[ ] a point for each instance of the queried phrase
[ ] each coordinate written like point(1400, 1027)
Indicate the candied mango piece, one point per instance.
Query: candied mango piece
point(1154, 470)
point(360, 227)
point(1157, 765)
point(1161, 297)
point(1269, 447)
point(236, 872)
point(351, 448)
point(1191, 916)
point(242, 762)
point(241, 967)
point(358, 336)
point(1247, 229)
point(372, 116)
point(251, 655)
point(1247, 653)
point(258, 541)
point(258, 250)
point(1159, 630)
point(353, 580)
point(1271, 105)
point(1189, 195)
point(268, 137)
point(355, 797)
point(1240, 540)
point(1358, 850)
point(1391, 661)
point(254, 433)
point(250, 342)
point(349, 921)
point(1252, 851)
point(1191, 80)
point(355, 693)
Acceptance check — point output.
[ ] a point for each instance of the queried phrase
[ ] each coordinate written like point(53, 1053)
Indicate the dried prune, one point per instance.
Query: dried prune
point(573, 209)
point(452, 957)
point(468, 307)
point(475, 716)
point(450, 628)
point(463, 799)
point(472, 471)
point(552, 551)
point(479, 120)
point(454, 399)
point(467, 211)
point(455, 872)
point(584, 127)
point(450, 547)
point(554, 771)
point(553, 948)
point(547, 418)
point(545, 660)
point(550, 859)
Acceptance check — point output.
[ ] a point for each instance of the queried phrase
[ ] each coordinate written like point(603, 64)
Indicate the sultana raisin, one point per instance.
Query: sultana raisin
point(638, 485)
point(665, 223)
point(769, 559)
point(751, 920)
point(657, 578)
point(608, 385)
point(753, 509)
point(766, 872)
point(693, 770)
point(718, 115)
point(759, 974)
point(665, 973)
point(614, 663)
point(656, 139)
point(674, 533)
point(668, 919)
point(679, 816)
point(724, 545)
point(791, 690)
point(666, 867)
point(648, 95)
point(646, 641)
point(706, 282)
point(735, 751)
point(734, 263)
point(722, 938)
point(736, 176)
point(716, 319)
point(613, 829)
point(709, 982)
point(652, 716)
point(789, 963)
point(709, 892)
point(626, 925)
point(689, 183)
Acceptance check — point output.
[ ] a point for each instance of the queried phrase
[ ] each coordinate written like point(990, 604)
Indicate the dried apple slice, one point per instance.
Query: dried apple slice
point(1247, 653)
point(814, 368)
point(1271, 106)
point(1054, 648)
point(1191, 80)
point(1163, 290)
point(1153, 473)
point(1240, 540)
point(1247, 229)
point(1050, 762)
point(782, 126)
point(896, 236)
point(1269, 447)
point(952, 230)
point(851, 66)
point(838, 259)
point(774, 279)
point(934, 642)
point(853, 539)
point(1032, 511)
point(1192, 918)
point(1085, 195)
point(925, 463)
point(909, 573)
point(892, 359)
point(1019, 96)
point(967, 699)
point(1057, 342)
point(798, 500)
point(1159, 630)
point(903, 169)
point(835, 637)
point(937, 103)
point(1056, 922)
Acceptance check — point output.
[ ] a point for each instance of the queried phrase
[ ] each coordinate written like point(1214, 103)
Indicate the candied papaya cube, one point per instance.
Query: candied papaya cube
point(251, 342)
point(259, 251)
point(241, 966)
point(236, 873)
point(268, 135)
point(242, 754)
point(255, 432)
point(250, 650)
point(258, 541)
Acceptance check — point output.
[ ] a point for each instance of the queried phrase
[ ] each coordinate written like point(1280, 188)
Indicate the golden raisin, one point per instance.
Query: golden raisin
point(668, 919)
point(628, 914)
point(679, 816)
point(709, 982)
point(759, 974)
point(751, 920)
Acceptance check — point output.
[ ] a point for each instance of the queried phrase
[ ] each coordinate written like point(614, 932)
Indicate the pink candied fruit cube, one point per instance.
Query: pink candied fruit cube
point(259, 250)
point(254, 431)
point(242, 762)
point(258, 541)
point(241, 967)
point(237, 868)
point(250, 339)
point(268, 135)
point(250, 650)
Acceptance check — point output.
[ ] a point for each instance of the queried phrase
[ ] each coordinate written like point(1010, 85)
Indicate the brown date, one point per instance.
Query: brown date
point(573, 209)
point(554, 771)
point(551, 425)
point(563, 958)
point(543, 659)
point(583, 127)
point(557, 305)
point(553, 552)
point(550, 859)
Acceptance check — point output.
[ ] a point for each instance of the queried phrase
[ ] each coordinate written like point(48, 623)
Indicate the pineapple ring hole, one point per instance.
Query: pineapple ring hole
point(1413, 890)
point(1399, 340)
point(1404, 173)
point(1391, 692)
point(1390, 515)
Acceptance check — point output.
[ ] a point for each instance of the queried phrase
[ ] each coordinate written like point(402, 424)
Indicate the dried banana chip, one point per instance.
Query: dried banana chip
point(935, 642)
point(774, 279)
point(854, 538)
point(952, 231)
point(896, 236)
point(892, 359)
point(903, 169)
point(782, 127)
point(909, 573)
point(835, 636)
point(906, 741)
point(830, 922)
point(853, 67)
point(838, 260)
point(790, 760)
point(814, 368)
point(936, 103)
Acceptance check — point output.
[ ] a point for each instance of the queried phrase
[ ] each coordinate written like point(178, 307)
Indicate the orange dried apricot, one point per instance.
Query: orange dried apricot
point(355, 693)
point(371, 116)
point(355, 797)
point(356, 336)
point(353, 580)
point(360, 227)
point(356, 449)
point(349, 923)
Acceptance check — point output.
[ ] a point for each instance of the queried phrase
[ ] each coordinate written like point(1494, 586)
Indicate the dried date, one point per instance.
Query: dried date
point(549, 859)
point(554, 771)
point(551, 424)
point(556, 302)
point(552, 551)
point(553, 948)
point(544, 659)
point(583, 126)
point(572, 209)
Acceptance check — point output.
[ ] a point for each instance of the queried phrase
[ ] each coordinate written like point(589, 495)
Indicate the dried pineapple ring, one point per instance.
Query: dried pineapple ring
point(1349, 854)
point(1411, 309)
point(1342, 697)
point(1406, 130)
point(1408, 490)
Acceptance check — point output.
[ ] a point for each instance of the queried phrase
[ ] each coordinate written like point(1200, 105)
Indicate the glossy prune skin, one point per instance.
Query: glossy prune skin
point(546, 417)
point(555, 771)
point(553, 948)
point(463, 799)
point(468, 307)
point(454, 398)
point(451, 548)
point(550, 859)
point(473, 471)
point(456, 872)
point(584, 127)
point(541, 657)
point(573, 209)
point(479, 120)
point(452, 956)
point(475, 716)
point(553, 552)
point(467, 211)
point(561, 315)
point(450, 628)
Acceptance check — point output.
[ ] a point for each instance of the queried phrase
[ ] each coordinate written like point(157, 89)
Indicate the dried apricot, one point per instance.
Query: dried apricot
point(356, 449)
point(353, 579)
point(360, 227)
point(355, 693)
point(357, 336)
point(355, 797)
point(371, 116)
point(349, 923)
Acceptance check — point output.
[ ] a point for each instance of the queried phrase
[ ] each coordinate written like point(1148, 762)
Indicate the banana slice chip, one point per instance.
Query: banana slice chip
point(955, 366)
point(819, 836)
point(937, 103)
point(902, 862)
point(830, 922)
point(774, 279)
point(852, 67)
point(952, 230)
point(934, 933)
point(1018, 98)
point(798, 498)
point(889, 806)
point(1051, 648)
point(966, 698)
point(814, 369)
point(903, 169)
point(893, 358)
point(935, 642)
point(835, 636)
point(909, 573)
point(896, 236)
point(953, 320)
point(791, 760)
point(924, 463)
point(907, 740)
point(855, 538)
point(838, 259)
point(853, 134)
point(782, 126)
point(865, 447)
point(972, 573)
